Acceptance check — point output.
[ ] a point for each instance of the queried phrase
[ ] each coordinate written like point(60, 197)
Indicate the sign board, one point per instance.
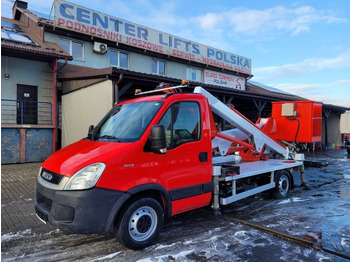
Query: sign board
point(225, 80)
point(87, 21)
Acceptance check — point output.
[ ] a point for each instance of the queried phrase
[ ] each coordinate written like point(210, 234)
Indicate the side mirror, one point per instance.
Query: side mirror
point(157, 139)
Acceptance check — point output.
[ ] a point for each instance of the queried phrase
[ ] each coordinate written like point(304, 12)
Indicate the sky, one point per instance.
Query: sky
point(301, 47)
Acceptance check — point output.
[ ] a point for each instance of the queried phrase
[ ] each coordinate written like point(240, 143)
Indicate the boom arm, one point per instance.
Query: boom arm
point(243, 124)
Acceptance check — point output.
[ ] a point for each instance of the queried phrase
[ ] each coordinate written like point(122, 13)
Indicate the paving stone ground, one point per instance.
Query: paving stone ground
point(18, 198)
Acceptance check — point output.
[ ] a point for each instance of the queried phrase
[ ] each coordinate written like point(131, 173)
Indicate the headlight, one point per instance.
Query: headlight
point(86, 177)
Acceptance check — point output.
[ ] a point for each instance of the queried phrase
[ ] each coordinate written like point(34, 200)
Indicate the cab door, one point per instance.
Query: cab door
point(185, 169)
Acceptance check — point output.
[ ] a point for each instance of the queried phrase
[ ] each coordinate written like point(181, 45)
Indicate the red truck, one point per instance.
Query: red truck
point(156, 156)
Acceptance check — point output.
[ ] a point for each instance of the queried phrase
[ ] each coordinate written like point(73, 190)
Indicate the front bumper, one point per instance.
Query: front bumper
point(81, 211)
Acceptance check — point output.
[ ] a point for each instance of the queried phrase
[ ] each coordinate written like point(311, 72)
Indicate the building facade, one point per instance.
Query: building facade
point(28, 81)
point(96, 60)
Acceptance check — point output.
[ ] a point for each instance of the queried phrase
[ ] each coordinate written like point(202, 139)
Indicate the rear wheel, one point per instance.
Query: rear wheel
point(283, 184)
point(140, 224)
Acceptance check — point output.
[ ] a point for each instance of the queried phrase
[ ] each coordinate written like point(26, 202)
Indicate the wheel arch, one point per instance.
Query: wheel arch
point(155, 191)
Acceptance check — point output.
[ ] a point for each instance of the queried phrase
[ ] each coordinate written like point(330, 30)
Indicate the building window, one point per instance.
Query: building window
point(193, 74)
point(74, 48)
point(158, 67)
point(119, 59)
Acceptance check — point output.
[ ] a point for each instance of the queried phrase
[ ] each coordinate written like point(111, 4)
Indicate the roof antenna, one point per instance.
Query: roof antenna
point(51, 9)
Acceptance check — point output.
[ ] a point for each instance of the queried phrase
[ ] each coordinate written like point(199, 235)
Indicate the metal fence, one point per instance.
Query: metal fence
point(26, 112)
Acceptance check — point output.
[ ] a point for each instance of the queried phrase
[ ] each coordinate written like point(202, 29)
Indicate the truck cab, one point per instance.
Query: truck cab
point(148, 159)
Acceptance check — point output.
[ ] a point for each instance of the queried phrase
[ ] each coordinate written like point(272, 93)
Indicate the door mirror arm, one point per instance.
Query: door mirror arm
point(90, 135)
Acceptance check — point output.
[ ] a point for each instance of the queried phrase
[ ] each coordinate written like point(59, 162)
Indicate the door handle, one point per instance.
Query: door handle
point(203, 157)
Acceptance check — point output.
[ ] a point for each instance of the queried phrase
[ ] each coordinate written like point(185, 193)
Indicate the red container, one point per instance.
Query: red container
point(299, 121)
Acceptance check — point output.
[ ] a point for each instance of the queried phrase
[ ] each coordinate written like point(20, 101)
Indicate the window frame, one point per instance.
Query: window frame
point(118, 60)
point(189, 72)
point(158, 61)
point(70, 42)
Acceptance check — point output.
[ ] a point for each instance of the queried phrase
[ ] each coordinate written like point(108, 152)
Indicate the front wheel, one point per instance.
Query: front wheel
point(140, 224)
point(283, 184)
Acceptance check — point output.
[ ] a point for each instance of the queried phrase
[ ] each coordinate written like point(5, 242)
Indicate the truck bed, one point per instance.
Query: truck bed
point(246, 170)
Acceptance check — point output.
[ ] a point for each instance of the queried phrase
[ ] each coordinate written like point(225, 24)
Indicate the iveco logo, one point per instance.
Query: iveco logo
point(46, 176)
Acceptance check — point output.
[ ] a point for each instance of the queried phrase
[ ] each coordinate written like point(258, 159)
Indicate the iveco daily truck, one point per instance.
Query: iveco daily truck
point(156, 156)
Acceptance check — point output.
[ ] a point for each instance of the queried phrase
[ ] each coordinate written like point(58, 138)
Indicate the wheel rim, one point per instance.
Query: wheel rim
point(143, 223)
point(283, 185)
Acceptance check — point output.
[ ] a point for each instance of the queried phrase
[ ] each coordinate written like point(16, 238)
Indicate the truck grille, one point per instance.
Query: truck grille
point(51, 176)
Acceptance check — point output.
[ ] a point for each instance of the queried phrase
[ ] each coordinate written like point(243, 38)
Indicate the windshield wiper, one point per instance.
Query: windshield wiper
point(108, 137)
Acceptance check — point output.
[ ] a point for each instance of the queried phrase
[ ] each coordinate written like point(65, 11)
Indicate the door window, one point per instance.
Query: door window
point(182, 123)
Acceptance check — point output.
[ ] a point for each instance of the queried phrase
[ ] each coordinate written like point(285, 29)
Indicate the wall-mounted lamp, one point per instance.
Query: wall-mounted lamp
point(7, 76)
point(59, 85)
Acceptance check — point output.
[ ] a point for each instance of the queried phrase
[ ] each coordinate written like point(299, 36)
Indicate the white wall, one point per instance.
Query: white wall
point(83, 108)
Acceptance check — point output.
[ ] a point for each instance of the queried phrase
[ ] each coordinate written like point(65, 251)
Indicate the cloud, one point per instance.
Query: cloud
point(307, 66)
point(319, 92)
point(210, 21)
point(252, 22)
point(299, 89)
point(341, 81)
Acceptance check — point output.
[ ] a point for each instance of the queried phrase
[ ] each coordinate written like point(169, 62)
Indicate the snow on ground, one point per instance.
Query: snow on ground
point(320, 215)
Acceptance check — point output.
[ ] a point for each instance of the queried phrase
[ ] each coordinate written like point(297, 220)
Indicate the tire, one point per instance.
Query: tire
point(283, 185)
point(348, 151)
point(140, 224)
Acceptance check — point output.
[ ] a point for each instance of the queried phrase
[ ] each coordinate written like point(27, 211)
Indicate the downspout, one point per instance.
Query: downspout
point(55, 70)
point(326, 113)
point(54, 105)
point(116, 88)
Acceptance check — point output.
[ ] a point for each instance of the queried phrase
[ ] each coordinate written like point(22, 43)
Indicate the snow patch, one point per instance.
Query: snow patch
point(345, 243)
point(14, 236)
point(145, 260)
point(188, 242)
point(108, 256)
point(240, 234)
point(346, 176)
point(164, 246)
point(292, 200)
point(172, 256)
point(211, 239)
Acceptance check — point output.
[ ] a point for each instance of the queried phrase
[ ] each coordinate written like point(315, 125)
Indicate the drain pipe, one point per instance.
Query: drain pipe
point(116, 88)
point(54, 105)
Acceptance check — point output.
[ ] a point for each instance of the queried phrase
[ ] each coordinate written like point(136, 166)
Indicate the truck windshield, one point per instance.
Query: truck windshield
point(125, 123)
